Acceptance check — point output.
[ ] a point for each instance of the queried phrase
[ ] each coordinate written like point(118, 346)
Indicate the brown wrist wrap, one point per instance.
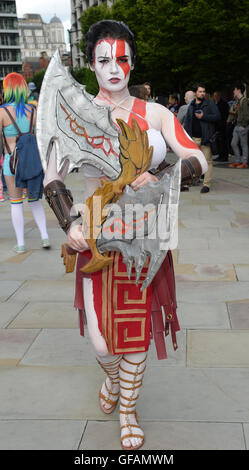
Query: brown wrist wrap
point(60, 200)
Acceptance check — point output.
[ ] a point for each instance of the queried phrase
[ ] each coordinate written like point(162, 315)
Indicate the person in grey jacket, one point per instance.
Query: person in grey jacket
point(189, 96)
point(200, 125)
point(240, 133)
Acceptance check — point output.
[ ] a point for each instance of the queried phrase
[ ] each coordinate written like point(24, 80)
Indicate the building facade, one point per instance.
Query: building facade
point(10, 54)
point(77, 8)
point(37, 37)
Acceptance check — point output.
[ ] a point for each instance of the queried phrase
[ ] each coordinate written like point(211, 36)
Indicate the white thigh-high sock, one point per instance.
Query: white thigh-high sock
point(110, 388)
point(40, 218)
point(18, 221)
point(131, 371)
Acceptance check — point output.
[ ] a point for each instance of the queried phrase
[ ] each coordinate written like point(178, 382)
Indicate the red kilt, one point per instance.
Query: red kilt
point(127, 317)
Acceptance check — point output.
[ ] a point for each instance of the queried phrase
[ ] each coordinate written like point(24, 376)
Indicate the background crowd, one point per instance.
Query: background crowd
point(219, 127)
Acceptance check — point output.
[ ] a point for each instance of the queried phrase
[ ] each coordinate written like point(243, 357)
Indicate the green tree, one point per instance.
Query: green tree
point(87, 78)
point(37, 79)
point(179, 42)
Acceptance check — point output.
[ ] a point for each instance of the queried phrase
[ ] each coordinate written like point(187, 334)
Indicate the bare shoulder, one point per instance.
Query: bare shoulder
point(157, 115)
point(158, 109)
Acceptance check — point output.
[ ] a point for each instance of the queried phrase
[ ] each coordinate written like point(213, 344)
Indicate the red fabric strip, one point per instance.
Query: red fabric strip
point(139, 107)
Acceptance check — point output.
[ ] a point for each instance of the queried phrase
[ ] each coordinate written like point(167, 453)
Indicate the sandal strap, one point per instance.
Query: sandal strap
point(127, 412)
point(131, 388)
point(116, 361)
point(110, 393)
point(107, 400)
point(134, 363)
point(133, 425)
point(128, 399)
point(132, 373)
point(126, 436)
point(131, 381)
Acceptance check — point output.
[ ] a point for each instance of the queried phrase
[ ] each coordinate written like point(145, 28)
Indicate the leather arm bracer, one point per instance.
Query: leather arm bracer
point(191, 170)
point(60, 200)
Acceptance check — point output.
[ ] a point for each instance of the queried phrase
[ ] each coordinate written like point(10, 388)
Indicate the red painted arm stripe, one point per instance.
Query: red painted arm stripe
point(182, 137)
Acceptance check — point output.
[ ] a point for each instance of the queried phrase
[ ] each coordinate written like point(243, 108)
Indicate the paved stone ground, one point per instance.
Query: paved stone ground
point(196, 399)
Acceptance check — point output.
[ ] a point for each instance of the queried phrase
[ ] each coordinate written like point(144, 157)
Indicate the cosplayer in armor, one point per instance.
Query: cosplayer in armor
point(122, 280)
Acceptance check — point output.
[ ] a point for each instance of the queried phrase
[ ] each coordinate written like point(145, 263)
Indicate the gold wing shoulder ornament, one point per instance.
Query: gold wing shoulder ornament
point(138, 224)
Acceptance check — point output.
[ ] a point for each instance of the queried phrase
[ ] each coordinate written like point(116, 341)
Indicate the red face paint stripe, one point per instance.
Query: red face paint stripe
point(182, 137)
point(139, 107)
point(109, 40)
point(120, 52)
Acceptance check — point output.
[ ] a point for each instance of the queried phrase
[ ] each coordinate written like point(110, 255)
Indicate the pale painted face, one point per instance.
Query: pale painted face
point(112, 64)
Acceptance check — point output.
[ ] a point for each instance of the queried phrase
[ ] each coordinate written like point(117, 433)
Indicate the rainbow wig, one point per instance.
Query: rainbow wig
point(16, 91)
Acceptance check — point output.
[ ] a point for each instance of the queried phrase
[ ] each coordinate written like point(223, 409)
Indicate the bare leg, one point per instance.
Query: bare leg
point(108, 362)
point(132, 369)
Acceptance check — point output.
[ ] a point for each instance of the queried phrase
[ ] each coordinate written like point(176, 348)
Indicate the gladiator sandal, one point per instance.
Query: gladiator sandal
point(131, 379)
point(112, 371)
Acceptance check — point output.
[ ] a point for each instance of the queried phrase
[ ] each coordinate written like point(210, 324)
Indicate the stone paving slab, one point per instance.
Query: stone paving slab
point(203, 315)
point(211, 291)
point(220, 256)
point(51, 291)
point(71, 393)
point(59, 347)
point(7, 288)
point(40, 434)
point(239, 314)
point(192, 243)
point(39, 264)
point(165, 435)
point(8, 311)
point(13, 345)
point(218, 348)
point(200, 234)
point(205, 272)
point(45, 315)
point(242, 241)
point(56, 236)
point(246, 431)
point(187, 394)
point(195, 223)
point(50, 393)
point(242, 271)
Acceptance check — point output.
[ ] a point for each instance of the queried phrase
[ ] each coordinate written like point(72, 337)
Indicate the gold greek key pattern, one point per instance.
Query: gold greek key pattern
point(126, 300)
point(119, 323)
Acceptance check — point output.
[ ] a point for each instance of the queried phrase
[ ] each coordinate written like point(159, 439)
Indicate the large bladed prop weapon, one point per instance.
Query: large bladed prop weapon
point(84, 133)
point(67, 117)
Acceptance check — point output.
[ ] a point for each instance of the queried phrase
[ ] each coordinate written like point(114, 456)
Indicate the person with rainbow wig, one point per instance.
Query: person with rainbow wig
point(17, 110)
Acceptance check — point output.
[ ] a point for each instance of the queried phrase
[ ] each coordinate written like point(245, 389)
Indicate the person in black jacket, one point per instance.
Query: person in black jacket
point(221, 127)
point(200, 125)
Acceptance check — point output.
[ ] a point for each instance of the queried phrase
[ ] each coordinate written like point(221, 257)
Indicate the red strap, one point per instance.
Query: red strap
point(139, 107)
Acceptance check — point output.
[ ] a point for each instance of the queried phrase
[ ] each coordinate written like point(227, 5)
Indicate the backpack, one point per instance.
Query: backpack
point(23, 141)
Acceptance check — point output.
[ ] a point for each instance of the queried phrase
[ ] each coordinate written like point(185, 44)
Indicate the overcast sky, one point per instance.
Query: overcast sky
point(47, 9)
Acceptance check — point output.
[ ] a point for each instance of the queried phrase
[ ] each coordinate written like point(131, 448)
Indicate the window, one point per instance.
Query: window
point(7, 7)
point(27, 32)
point(8, 23)
point(9, 40)
point(9, 56)
point(40, 40)
point(39, 32)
